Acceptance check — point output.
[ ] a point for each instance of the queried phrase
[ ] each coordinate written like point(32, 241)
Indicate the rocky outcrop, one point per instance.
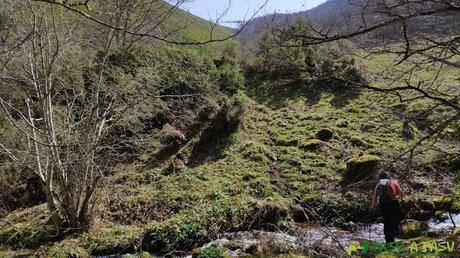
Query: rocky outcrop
point(325, 134)
point(361, 167)
point(412, 228)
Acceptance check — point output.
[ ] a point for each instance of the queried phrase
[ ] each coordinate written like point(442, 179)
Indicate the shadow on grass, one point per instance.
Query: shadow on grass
point(163, 154)
point(276, 94)
point(216, 138)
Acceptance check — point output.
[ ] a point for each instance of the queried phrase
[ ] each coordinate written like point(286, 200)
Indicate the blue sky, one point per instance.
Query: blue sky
point(243, 9)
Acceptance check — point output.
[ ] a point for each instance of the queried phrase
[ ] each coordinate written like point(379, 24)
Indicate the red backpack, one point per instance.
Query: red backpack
point(393, 191)
point(387, 190)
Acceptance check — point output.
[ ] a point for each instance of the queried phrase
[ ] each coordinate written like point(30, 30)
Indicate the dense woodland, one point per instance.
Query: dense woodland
point(134, 127)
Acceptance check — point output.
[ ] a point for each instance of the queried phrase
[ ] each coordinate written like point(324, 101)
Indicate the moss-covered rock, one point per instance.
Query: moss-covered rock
point(427, 205)
point(449, 203)
point(361, 167)
point(455, 163)
point(441, 215)
point(325, 134)
point(311, 145)
point(455, 206)
point(443, 203)
point(412, 228)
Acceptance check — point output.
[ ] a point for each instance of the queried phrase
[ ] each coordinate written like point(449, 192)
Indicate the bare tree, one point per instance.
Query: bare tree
point(59, 91)
point(61, 121)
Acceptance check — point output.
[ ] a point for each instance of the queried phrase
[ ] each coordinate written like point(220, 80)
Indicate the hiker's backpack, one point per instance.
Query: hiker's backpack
point(384, 190)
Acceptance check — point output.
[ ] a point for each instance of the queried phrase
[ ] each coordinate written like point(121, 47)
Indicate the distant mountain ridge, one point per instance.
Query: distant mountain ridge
point(346, 16)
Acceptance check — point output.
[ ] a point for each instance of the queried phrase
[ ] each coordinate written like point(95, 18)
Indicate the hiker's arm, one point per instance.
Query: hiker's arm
point(374, 197)
point(399, 191)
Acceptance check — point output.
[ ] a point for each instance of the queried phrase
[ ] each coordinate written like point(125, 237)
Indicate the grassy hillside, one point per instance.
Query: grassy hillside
point(260, 176)
point(184, 25)
point(195, 28)
point(204, 150)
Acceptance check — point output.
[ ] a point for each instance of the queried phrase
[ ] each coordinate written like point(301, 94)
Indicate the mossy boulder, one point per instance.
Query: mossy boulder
point(441, 215)
point(449, 203)
point(412, 228)
point(361, 167)
point(455, 206)
point(311, 145)
point(427, 205)
point(325, 134)
point(455, 163)
point(443, 203)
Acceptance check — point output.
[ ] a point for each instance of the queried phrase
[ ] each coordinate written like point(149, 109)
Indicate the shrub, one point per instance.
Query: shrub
point(284, 55)
point(234, 110)
point(178, 233)
point(169, 85)
point(230, 77)
point(231, 80)
point(209, 252)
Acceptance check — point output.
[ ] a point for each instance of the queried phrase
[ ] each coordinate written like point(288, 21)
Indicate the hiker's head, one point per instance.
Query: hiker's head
point(384, 175)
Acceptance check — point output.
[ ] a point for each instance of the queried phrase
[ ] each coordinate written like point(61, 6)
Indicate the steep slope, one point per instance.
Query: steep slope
point(192, 27)
point(22, 188)
point(293, 150)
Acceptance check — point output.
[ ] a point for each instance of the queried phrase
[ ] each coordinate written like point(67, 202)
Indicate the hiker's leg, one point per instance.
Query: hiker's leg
point(391, 231)
point(396, 218)
point(387, 228)
point(393, 220)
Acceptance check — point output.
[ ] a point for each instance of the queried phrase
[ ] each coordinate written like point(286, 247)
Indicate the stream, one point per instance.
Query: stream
point(306, 236)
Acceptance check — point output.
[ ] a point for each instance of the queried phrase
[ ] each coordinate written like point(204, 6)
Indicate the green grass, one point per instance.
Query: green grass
point(272, 164)
point(191, 28)
point(196, 28)
point(264, 170)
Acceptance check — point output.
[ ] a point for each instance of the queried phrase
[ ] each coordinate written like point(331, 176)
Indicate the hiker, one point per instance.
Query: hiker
point(388, 191)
